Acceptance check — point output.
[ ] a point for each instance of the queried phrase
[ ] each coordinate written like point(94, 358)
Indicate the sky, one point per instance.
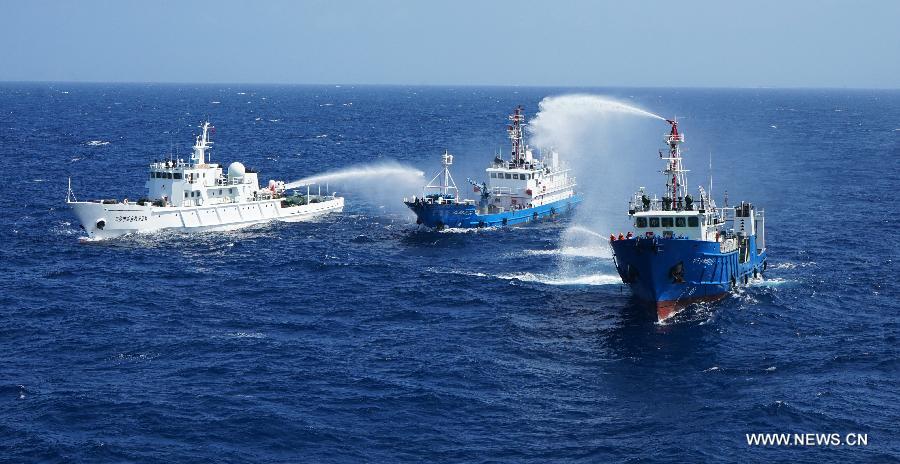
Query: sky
point(763, 43)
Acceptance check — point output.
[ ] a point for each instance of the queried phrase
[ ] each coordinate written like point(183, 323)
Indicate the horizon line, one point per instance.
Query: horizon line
point(534, 86)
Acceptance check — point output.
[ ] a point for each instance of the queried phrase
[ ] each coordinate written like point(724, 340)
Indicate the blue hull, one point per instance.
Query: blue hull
point(672, 273)
point(466, 216)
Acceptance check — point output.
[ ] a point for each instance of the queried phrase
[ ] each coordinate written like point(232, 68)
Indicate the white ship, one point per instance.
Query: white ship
point(199, 196)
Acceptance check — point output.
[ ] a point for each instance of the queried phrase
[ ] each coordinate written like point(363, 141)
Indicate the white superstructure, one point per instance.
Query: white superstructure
point(524, 181)
point(678, 215)
point(196, 195)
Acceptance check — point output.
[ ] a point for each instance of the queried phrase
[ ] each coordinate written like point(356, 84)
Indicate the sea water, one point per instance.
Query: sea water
point(360, 337)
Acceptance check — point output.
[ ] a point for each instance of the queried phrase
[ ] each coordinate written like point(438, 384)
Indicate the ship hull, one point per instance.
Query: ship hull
point(671, 274)
point(454, 215)
point(104, 221)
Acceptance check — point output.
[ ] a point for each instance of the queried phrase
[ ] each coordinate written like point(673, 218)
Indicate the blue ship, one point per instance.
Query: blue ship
point(684, 251)
point(518, 190)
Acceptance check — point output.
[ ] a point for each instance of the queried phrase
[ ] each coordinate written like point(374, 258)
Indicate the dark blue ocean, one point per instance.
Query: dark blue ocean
point(359, 338)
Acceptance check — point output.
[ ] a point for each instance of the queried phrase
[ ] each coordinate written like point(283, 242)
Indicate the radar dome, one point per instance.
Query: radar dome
point(236, 170)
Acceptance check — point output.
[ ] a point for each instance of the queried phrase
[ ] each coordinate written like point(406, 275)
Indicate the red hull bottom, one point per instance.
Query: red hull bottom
point(667, 309)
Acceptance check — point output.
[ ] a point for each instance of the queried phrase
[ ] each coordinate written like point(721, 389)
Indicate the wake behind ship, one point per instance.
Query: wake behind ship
point(197, 195)
point(518, 190)
point(683, 252)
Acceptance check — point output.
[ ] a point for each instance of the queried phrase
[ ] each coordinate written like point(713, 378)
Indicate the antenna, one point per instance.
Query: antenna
point(710, 175)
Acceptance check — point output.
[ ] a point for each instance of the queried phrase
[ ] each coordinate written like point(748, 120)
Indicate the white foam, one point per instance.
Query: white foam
point(591, 279)
point(586, 252)
point(466, 230)
point(792, 265)
point(247, 335)
point(97, 143)
point(773, 282)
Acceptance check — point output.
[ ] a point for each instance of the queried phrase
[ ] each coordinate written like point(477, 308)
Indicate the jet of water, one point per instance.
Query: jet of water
point(387, 172)
point(584, 105)
point(585, 230)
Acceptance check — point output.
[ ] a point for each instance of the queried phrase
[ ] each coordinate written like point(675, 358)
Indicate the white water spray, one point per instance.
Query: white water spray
point(612, 150)
point(564, 108)
point(385, 172)
point(585, 230)
point(607, 143)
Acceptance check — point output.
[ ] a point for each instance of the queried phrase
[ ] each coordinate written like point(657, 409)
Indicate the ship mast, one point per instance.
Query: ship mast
point(674, 172)
point(446, 180)
point(201, 145)
point(516, 135)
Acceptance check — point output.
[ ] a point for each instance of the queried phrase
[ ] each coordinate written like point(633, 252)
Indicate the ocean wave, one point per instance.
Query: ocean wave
point(770, 282)
point(546, 279)
point(97, 143)
point(793, 265)
point(247, 335)
point(586, 252)
point(466, 230)
point(589, 279)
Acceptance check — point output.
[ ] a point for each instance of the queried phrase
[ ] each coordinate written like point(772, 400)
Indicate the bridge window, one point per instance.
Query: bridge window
point(640, 222)
point(667, 222)
point(680, 222)
point(177, 175)
point(508, 175)
point(654, 222)
point(693, 221)
point(493, 175)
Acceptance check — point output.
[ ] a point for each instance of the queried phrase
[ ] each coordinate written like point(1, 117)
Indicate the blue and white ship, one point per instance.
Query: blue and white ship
point(518, 190)
point(684, 251)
